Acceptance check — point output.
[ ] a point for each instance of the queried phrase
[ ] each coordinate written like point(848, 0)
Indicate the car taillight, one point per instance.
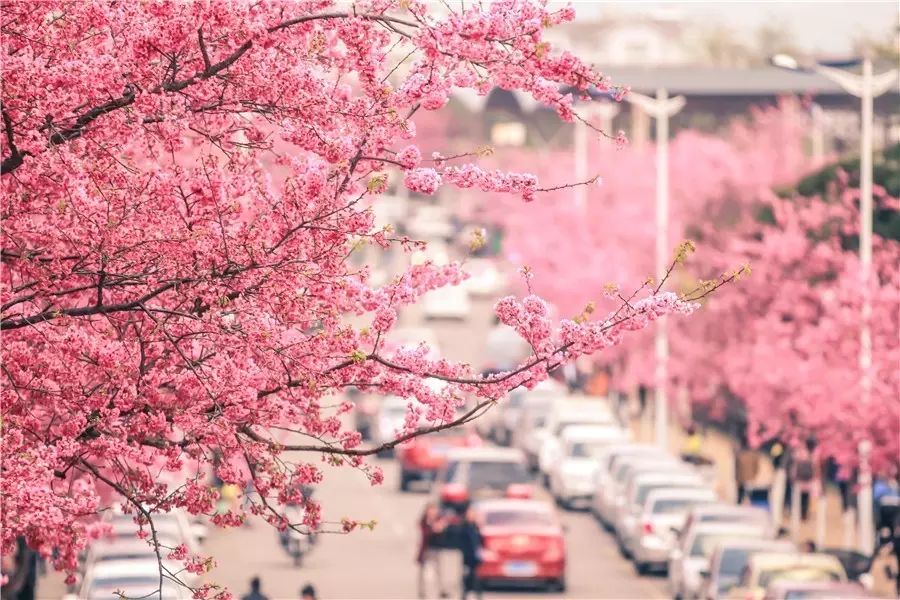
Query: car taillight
point(647, 527)
point(556, 551)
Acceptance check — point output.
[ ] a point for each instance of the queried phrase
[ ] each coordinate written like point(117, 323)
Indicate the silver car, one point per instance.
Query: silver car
point(663, 510)
point(640, 484)
point(727, 513)
point(608, 461)
point(728, 561)
point(519, 402)
point(615, 491)
point(689, 560)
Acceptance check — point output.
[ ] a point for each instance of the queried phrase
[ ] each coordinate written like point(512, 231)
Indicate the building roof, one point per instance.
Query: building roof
point(721, 81)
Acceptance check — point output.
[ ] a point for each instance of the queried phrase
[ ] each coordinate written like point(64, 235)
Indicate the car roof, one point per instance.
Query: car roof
point(767, 545)
point(124, 568)
point(727, 509)
point(592, 431)
point(514, 504)
point(485, 454)
point(768, 560)
point(675, 493)
point(848, 587)
point(738, 529)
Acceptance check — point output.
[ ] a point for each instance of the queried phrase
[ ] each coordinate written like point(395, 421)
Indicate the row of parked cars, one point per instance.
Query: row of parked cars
point(124, 561)
point(663, 512)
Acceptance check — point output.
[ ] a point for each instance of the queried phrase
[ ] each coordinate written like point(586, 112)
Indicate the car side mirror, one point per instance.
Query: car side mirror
point(704, 573)
point(675, 530)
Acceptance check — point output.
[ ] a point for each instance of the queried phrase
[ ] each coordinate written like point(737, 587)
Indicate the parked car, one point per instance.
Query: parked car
point(729, 559)
point(523, 544)
point(689, 561)
point(728, 513)
point(368, 405)
point(448, 302)
point(571, 411)
point(512, 410)
point(422, 457)
point(133, 577)
point(485, 279)
point(572, 474)
point(173, 525)
point(389, 420)
point(623, 469)
point(483, 472)
point(607, 461)
point(641, 483)
point(663, 509)
point(766, 569)
point(816, 591)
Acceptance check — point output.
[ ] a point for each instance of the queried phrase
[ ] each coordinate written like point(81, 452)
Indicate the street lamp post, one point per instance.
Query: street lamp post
point(867, 87)
point(606, 111)
point(661, 108)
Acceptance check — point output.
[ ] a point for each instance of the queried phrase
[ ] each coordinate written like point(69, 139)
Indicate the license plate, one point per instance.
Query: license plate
point(519, 568)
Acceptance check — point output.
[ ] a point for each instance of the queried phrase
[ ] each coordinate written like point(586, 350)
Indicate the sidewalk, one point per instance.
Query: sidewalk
point(838, 532)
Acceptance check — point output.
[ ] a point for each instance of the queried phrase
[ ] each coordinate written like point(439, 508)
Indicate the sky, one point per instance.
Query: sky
point(822, 27)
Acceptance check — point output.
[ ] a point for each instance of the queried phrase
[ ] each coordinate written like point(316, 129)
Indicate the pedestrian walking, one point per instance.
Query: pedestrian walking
point(255, 593)
point(746, 468)
point(470, 545)
point(308, 592)
point(805, 475)
point(430, 556)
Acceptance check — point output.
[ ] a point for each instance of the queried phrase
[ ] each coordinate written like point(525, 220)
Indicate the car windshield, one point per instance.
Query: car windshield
point(495, 474)
point(668, 506)
point(393, 411)
point(798, 574)
point(586, 449)
point(517, 518)
point(733, 561)
point(644, 490)
point(705, 543)
point(134, 587)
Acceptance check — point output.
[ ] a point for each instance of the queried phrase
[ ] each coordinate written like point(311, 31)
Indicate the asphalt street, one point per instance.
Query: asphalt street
point(380, 564)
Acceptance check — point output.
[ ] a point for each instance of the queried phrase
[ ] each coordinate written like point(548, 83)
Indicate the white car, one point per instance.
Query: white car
point(641, 482)
point(572, 475)
point(505, 349)
point(663, 510)
point(607, 459)
point(430, 221)
point(389, 420)
point(135, 578)
point(607, 495)
point(512, 410)
point(485, 279)
point(482, 471)
point(728, 562)
point(689, 561)
point(571, 411)
point(173, 525)
point(448, 302)
point(411, 338)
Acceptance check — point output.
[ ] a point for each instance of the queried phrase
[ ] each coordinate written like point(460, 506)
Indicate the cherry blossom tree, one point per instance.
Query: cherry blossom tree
point(609, 242)
point(183, 184)
point(787, 346)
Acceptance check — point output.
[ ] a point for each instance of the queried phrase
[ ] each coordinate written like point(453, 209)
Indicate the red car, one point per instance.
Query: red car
point(422, 457)
point(523, 543)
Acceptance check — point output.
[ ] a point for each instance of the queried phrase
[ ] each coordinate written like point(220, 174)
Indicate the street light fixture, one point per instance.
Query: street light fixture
point(661, 108)
point(866, 87)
